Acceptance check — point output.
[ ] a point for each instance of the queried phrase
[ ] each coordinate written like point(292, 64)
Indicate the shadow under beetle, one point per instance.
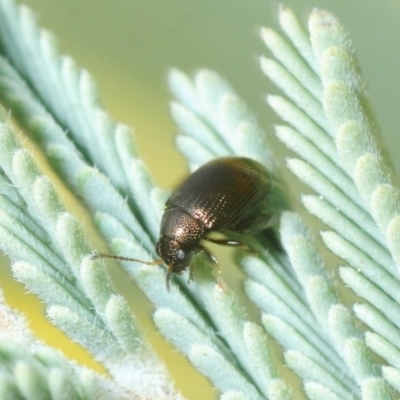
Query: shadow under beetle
point(229, 194)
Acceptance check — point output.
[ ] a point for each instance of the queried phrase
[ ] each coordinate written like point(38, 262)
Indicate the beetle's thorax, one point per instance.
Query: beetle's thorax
point(180, 236)
point(181, 227)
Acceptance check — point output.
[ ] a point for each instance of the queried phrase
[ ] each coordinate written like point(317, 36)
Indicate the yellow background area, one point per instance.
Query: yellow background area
point(129, 46)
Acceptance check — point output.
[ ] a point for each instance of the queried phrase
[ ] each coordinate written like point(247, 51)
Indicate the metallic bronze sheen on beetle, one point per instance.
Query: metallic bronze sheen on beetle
point(225, 195)
point(228, 194)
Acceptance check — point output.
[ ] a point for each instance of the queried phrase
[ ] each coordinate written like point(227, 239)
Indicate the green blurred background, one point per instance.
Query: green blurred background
point(129, 45)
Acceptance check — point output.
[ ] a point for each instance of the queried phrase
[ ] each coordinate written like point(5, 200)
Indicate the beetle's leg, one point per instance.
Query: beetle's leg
point(209, 255)
point(190, 274)
point(212, 258)
point(229, 242)
point(225, 242)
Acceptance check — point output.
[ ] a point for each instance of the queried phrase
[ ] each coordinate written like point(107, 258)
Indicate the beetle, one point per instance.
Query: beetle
point(228, 194)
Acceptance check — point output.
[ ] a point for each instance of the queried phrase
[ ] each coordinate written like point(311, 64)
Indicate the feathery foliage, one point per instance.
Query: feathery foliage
point(331, 128)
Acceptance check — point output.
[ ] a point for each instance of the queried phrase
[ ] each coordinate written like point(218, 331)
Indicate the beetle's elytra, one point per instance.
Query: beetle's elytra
point(225, 195)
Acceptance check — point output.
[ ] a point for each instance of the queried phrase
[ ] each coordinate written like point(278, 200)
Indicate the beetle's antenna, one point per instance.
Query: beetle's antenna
point(102, 255)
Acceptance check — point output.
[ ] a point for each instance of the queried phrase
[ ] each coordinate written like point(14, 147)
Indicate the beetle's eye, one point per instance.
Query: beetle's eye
point(180, 254)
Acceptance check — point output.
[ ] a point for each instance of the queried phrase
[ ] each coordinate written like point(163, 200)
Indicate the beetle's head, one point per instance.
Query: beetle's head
point(174, 255)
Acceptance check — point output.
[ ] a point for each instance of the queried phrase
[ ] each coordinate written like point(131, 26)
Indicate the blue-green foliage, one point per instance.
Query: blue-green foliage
point(329, 125)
